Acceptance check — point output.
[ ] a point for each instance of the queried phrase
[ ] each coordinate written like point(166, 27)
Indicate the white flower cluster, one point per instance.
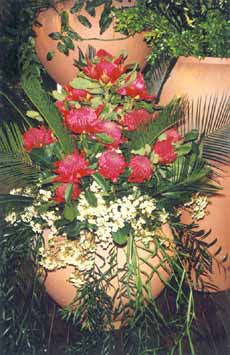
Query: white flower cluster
point(31, 215)
point(111, 216)
point(61, 252)
point(198, 205)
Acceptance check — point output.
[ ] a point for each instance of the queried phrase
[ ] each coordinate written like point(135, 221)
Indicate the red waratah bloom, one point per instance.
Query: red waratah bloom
point(60, 193)
point(76, 94)
point(135, 118)
point(136, 89)
point(141, 169)
point(107, 69)
point(112, 130)
point(172, 135)
point(37, 138)
point(165, 152)
point(72, 168)
point(83, 120)
point(111, 165)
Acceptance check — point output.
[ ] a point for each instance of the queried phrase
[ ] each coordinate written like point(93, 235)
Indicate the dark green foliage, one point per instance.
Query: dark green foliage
point(198, 28)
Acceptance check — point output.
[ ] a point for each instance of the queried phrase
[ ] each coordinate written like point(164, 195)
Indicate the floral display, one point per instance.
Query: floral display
point(110, 174)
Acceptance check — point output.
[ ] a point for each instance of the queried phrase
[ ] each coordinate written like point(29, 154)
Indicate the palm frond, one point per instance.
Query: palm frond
point(158, 74)
point(16, 168)
point(211, 117)
point(43, 103)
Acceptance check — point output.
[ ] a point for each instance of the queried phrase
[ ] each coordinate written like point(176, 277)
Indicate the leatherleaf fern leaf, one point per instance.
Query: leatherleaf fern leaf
point(43, 103)
point(16, 167)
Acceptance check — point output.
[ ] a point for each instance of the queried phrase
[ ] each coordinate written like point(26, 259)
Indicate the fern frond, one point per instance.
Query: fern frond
point(43, 103)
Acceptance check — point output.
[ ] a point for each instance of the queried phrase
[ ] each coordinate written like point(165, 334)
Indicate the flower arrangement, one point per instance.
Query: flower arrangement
point(109, 175)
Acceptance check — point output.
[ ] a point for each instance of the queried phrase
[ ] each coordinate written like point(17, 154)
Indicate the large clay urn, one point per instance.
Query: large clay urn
point(199, 79)
point(63, 292)
point(61, 67)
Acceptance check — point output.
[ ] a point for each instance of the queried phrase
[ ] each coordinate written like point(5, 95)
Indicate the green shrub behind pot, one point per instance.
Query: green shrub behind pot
point(186, 28)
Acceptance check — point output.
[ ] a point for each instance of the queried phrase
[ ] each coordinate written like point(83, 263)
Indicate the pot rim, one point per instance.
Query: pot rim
point(205, 60)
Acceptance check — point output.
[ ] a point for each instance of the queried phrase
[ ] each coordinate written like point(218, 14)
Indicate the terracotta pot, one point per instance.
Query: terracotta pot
point(199, 78)
point(63, 292)
point(61, 67)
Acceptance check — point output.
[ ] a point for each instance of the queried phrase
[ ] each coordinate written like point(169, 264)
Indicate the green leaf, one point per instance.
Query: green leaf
point(60, 96)
point(49, 56)
point(70, 212)
point(105, 138)
point(84, 21)
point(69, 43)
point(62, 47)
point(105, 20)
point(191, 136)
point(68, 192)
point(77, 6)
point(64, 20)
point(34, 115)
point(55, 35)
point(86, 84)
point(121, 236)
point(91, 198)
point(183, 149)
point(90, 8)
point(100, 180)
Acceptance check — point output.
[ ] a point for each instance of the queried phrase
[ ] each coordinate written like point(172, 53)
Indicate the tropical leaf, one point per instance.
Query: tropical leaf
point(211, 117)
point(16, 168)
point(48, 111)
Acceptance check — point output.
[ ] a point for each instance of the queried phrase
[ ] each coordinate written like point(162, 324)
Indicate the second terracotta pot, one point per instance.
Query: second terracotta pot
point(61, 67)
point(200, 79)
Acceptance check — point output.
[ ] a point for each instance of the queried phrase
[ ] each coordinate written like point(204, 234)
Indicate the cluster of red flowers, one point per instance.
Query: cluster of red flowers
point(86, 120)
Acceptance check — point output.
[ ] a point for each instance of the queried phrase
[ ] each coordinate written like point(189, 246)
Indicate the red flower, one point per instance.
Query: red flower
point(37, 138)
point(112, 130)
point(72, 168)
point(60, 193)
point(83, 120)
point(141, 169)
point(135, 118)
point(165, 152)
point(107, 69)
point(61, 107)
point(76, 94)
point(111, 165)
point(136, 89)
point(172, 135)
